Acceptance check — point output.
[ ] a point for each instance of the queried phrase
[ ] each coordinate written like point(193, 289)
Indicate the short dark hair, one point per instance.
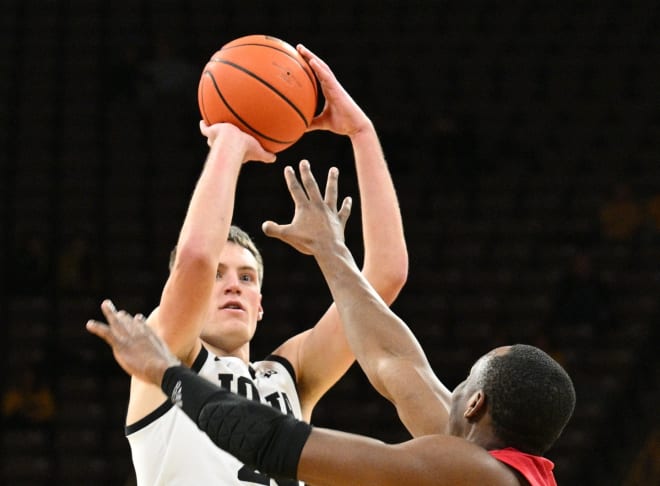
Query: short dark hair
point(530, 397)
point(241, 238)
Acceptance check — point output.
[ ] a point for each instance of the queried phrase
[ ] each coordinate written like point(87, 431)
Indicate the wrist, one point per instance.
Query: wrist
point(161, 369)
point(227, 150)
point(188, 390)
point(228, 134)
point(365, 129)
point(333, 253)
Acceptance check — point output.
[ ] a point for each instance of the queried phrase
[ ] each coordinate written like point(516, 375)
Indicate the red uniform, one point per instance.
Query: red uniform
point(535, 469)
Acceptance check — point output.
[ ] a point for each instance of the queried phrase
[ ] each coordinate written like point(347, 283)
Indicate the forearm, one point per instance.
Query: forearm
point(213, 197)
point(336, 458)
point(376, 335)
point(258, 435)
point(385, 254)
point(384, 346)
point(201, 239)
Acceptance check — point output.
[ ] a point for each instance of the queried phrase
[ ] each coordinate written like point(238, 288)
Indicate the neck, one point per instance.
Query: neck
point(242, 352)
point(484, 437)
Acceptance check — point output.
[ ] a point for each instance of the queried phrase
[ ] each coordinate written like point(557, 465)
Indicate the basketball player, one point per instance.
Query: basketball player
point(211, 303)
point(492, 430)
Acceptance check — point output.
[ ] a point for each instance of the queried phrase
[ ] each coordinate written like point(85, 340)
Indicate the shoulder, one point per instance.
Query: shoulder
point(458, 461)
point(290, 348)
point(274, 363)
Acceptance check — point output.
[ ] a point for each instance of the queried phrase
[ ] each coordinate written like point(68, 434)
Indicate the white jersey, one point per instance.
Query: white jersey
point(168, 449)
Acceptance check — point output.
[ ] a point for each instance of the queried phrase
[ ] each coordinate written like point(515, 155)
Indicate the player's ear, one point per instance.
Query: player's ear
point(476, 406)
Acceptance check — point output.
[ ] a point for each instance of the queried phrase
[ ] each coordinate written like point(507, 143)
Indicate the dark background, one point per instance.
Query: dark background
point(508, 128)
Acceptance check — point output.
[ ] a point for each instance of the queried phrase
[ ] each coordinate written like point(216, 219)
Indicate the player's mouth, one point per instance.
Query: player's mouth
point(232, 305)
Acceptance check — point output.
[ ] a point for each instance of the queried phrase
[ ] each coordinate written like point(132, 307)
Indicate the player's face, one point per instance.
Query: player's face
point(236, 303)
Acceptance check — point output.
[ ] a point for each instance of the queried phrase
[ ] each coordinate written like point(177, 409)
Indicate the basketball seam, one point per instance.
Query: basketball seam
point(312, 77)
point(265, 83)
point(224, 100)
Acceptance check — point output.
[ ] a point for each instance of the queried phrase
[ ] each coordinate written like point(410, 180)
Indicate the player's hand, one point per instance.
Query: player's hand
point(228, 133)
point(137, 349)
point(316, 223)
point(340, 114)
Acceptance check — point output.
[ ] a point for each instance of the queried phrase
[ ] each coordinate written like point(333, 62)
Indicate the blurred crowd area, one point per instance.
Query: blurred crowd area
point(524, 143)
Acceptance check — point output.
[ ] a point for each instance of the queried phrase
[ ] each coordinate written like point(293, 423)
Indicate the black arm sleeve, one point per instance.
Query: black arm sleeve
point(256, 434)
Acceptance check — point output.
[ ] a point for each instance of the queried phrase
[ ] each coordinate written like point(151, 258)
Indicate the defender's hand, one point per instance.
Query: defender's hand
point(316, 224)
point(137, 349)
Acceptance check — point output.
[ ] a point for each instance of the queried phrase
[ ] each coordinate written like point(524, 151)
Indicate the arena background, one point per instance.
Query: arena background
point(508, 127)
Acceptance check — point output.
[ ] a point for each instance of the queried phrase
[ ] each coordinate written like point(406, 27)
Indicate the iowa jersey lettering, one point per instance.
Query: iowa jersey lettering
point(244, 387)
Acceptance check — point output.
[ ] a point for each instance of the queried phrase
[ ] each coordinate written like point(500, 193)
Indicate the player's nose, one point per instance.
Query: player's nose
point(232, 284)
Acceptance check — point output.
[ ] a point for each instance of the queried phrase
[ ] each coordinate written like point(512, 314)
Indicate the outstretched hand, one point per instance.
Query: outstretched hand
point(137, 349)
point(316, 223)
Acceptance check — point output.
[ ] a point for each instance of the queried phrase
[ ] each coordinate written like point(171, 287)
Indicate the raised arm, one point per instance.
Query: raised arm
point(188, 289)
point(385, 254)
point(386, 349)
point(322, 355)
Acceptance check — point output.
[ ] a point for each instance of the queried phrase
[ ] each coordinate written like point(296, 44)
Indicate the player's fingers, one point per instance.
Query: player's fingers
point(312, 58)
point(295, 189)
point(109, 311)
point(205, 130)
point(270, 228)
point(345, 210)
point(273, 230)
point(268, 157)
point(319, 122)
point(119, 321)
point(308, 181)
point(331, 188)
point(101, 330)
point(305, 52)
point(265, 156)
point(108, 308)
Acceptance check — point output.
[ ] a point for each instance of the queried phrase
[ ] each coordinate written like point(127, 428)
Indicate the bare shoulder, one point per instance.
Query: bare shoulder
point(443, 459)
point(332, 457)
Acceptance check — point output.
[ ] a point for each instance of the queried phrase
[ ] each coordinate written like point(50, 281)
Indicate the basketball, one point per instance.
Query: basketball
point(262, 85)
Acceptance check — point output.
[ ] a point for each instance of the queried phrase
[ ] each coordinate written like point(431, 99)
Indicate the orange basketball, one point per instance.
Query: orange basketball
point(262, 85)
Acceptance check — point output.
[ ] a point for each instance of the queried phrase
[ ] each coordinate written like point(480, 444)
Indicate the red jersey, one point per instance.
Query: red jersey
point(535, 469)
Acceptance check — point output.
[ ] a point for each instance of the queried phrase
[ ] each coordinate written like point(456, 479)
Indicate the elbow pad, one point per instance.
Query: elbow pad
point(256, 434)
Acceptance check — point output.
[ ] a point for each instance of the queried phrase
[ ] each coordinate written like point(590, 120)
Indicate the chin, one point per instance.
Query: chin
point(220, 336)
